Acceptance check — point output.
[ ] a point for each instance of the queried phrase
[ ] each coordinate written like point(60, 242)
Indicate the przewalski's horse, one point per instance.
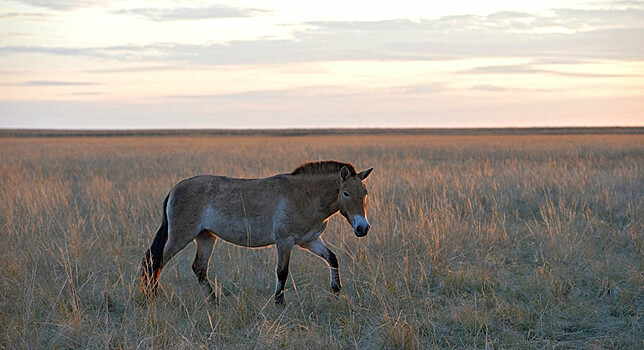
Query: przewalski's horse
point(285, 210)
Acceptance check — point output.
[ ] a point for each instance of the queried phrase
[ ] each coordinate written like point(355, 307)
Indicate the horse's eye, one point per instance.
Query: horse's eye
point(345, 194)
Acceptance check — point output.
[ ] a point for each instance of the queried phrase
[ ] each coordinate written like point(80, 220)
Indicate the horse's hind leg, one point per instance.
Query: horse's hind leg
point(205, 243)
point(320, 249)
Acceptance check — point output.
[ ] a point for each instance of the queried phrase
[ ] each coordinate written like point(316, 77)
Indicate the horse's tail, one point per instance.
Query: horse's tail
point(153, 261)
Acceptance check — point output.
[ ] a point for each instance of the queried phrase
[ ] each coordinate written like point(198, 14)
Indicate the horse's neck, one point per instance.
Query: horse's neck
point(323, 192)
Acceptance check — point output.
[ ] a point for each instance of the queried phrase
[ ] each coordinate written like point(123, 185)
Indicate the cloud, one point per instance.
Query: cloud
point(191, 13)
point(53, 83)
point(63, 51)
point(88, 93)
point(487, 87)
point(242, 96)
point(558, 20)
point(140, 69)
point(61, 4)
point(24, 16)
point(580, 19)
point(471, 36)
point(304, 92)
point(589, 35)
point(508, 69)
point(497, 88)
point(119, 53)
point(422, 89)
point(530, 69)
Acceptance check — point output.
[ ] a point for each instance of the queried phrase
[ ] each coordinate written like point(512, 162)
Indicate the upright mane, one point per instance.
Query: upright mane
point(323, 167)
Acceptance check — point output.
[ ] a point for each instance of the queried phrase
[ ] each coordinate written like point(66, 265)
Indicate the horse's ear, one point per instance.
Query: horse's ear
point(363, 174)
point(344, 173)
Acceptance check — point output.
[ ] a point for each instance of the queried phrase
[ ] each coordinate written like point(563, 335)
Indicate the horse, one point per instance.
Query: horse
point(282, 210)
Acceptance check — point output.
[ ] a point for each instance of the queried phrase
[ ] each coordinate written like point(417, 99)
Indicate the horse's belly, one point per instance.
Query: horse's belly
point(246, 239)
point(240, 231)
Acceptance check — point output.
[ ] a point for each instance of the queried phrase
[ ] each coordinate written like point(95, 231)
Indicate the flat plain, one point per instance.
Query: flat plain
point(477, 241)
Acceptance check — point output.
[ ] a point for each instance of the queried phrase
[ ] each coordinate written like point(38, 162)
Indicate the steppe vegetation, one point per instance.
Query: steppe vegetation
point(497, 241)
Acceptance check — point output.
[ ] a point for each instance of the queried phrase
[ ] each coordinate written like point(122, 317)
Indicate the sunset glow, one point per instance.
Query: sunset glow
point(248, 64)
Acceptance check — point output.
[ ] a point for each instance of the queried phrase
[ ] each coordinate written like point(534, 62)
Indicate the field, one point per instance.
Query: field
point(477, 241)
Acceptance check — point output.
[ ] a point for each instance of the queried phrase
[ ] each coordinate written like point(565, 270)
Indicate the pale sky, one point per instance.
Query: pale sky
point(85, 64)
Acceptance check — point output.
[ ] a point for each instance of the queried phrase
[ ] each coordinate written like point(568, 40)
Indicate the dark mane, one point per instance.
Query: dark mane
point(323, 167)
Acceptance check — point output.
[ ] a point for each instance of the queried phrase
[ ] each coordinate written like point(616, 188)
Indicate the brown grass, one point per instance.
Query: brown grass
point(511, 241)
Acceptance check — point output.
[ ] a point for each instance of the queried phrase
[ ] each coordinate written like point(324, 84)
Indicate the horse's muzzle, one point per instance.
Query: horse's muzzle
point(361, 231)
point(360, 226)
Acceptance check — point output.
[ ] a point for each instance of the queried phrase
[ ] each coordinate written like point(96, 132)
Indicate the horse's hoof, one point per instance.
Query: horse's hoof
point(279, 300)
point(336, 289)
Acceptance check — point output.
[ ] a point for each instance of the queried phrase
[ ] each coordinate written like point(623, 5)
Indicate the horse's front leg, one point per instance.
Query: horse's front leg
point(320, 249)
point(283, 257)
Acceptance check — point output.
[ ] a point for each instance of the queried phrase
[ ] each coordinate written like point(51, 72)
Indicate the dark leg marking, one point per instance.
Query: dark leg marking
point(336, 285)
point(320, 249)
point(283, 257)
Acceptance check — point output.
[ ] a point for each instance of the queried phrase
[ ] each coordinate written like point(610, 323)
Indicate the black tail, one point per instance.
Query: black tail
point(153, 261)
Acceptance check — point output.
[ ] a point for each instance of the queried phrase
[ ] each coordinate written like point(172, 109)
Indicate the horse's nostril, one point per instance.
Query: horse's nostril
point(362, 230)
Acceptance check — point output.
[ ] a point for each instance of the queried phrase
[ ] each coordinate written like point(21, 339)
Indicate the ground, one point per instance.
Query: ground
point(478, 240)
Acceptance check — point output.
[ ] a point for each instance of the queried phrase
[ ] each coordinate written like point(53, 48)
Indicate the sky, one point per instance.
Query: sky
point(112, 64)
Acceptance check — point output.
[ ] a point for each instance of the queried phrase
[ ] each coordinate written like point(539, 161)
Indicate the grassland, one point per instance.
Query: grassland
point(497, 241)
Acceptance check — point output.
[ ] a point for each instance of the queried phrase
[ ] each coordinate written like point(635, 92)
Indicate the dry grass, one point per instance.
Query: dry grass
point(476, 241)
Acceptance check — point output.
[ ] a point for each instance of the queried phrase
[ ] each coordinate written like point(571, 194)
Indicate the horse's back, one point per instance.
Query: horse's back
point(237, 210)
point(222, 188)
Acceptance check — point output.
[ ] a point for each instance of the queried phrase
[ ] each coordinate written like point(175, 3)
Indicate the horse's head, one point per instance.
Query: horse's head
point(352, 200)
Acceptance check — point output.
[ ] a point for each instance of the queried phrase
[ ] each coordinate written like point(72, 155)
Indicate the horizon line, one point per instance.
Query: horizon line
point(453, 131)
point(117, 129)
